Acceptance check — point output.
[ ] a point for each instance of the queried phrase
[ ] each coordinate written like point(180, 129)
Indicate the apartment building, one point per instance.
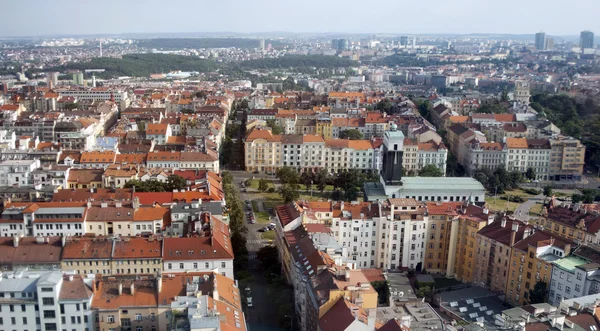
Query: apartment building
point(267, 152)
point(200, 254)
point(320, 273)
point(201, 160)
point(418, 155)
point(263, 151)
point(159, 133)
point(112, 256)
point(46, 300)
point(494, 246)
point(481, 155)
point(566, 158)
point(523, 154)
point(570, 221)
point(531, 262)
point(31, 253)
point(126, 303)
point(450, 242)
point(18, 173)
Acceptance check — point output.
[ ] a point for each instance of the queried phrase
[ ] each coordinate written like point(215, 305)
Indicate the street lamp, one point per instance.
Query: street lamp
point(291, 321)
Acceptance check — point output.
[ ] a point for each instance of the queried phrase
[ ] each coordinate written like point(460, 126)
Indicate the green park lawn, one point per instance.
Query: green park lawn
point(268, 235)
point(262, 217)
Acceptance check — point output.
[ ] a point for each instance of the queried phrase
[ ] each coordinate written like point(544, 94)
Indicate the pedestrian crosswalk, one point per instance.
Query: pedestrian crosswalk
point(251, 256)
point(255, 241)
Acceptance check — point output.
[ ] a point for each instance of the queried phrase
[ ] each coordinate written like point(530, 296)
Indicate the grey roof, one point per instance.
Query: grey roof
point(26, 281)
point(213, 207)
point(473, 304)
point(433, 183)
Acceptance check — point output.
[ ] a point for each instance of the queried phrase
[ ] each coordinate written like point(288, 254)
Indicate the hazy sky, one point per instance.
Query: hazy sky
point(557, 17)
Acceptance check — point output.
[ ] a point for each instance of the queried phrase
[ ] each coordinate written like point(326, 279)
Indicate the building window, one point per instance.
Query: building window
point(48, 301)
point(138, 317)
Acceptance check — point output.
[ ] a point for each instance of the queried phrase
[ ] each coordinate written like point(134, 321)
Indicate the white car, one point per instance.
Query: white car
point(249, 300)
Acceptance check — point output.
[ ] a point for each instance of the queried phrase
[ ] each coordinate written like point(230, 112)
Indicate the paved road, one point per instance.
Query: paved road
point(260, 316)
point(522, 210)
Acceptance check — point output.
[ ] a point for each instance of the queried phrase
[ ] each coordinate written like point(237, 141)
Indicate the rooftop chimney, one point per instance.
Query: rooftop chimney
point(132, 289)
point(371, 319)
point(503, 222)
point(16, 241)
point(120, 289)
point(513, 235)
point(159, 283)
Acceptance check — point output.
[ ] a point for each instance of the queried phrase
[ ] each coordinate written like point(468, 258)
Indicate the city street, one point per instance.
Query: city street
point(260, 316)
point(522, 211)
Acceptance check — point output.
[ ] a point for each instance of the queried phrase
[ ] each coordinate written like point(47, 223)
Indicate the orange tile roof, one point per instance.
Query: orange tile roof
point(505, 117)
point(260, 134)
point(128, 248)
point(346, 95)
point(310, 138)
point(458, 119)
point(131, 158)
point(360, 144)
point(516, 142)
point(107, 296)
point(153, 128)
point(150, 213)
point(98, 157)
point(86, 248)
point(164, 156)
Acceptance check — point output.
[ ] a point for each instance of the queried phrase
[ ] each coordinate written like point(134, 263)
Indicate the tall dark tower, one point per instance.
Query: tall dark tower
point(393, 143)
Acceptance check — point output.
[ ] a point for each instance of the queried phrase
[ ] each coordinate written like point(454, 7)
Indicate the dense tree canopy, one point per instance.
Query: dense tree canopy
point(431, 170)
point(299, 61)
point(579, 118)
point(352, 134)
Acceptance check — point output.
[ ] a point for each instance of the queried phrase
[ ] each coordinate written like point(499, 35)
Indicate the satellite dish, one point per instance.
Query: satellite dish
point(401, 294)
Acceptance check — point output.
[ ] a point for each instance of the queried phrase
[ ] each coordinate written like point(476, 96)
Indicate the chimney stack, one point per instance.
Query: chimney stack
point(120, 288)
point(16, 241)
point(372, 318)
point(503, 222)
point(513, 235)
point(159, 283)
point(132, 289)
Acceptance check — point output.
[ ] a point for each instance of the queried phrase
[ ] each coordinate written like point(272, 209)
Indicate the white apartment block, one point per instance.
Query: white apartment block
point(45, 300)
point(523, 154)
point(391, 242)
point(17, 173)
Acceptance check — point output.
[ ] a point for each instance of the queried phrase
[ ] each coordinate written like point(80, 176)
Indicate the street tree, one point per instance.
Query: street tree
point(263, 185)
point(288, 175)
point(289, 192)
point(431, 170)
point(352, 134)
point(538, 293)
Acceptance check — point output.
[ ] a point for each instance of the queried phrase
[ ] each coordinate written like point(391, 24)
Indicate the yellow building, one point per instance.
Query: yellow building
point(571, 223)
point(351, 285)
point(451, 238)
point(107, 256)
point(85, 178)
point(531, 262)
point(324, 128)
point(492, 261)
point(567, 158)
point(262, 151)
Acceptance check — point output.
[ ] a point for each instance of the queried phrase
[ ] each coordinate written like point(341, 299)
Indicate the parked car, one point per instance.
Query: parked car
point(265, 229)
point(248, 291)
point(249, 300)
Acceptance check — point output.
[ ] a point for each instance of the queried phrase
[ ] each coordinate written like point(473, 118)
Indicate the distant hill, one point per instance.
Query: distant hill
point(142, 65)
